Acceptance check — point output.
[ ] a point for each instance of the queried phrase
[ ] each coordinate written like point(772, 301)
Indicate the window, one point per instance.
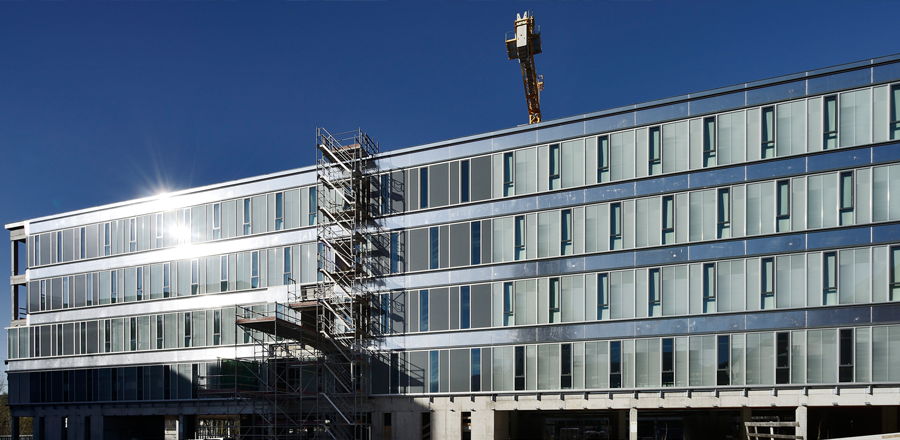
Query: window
point(553, 300)
point(89, 288)
point(167, 279)
point(186, 226)
point(313, 204)
point(768, 132)
point(395, 252)
point(602, 295)
point(195, 277)
point(475, 362)
point(37, 251)
point(66, 292)
point(615, 226)
point(217, 221)
point(668, 362)
point(554, 166)
point(894, 126)
point(279, 211)
point(254, 270)
point(709, 287)
point(830, 123)
point(845, 362)
point(423, 187)
point(668, 219)
point(247, 216)
point(603, 159)
point(217, 327)
point(187, 329)
point(113, 286)
point(829, 278)
point(223, 273)
point(565, 241)
point(385, 313)
point(508, 175)
point(82, 245)
point(895, 274)
point(385, 193)
point(160, 333)
point(423, 310)
point(654, 292)
point(132, 234)
point(475, 241)
point(723, 372)
point(434, 249)
point(615, 364)
point(160, 230)
point(139, 283)
point(723, 213)
point(767, 283)
point(654, 151)
point(519, 368)
point(782, 357)
point(287, 277)
point(508, 304)
point(709, 141)
point(107, 336)
point(106, 239)
point(465, 304)
point(846, 202)
point(520, 237)
point(464, 181)
point(565, 366)
point(59, 246)
point(132, 331)
point(783, 206)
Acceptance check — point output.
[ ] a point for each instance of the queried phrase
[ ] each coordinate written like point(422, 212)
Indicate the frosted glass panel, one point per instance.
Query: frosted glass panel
point(621, 147)
point(855, 118)
point(675, 147)
point(730, 129)
point(791, 131)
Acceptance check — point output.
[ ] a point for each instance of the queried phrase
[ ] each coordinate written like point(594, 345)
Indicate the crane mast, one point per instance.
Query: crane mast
point(523, 46)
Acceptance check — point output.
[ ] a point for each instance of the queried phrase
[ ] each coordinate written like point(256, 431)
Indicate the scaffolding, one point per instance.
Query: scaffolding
point(308, 376)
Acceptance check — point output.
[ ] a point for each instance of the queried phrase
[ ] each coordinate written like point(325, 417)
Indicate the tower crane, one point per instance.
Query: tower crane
point(523, 46)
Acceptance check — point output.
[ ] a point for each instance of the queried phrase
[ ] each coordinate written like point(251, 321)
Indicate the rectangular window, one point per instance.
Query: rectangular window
point(565, 239)
point(82, 245)
point(434, 248)
point(723, 371)
point(767, 283)
point(895, 274)
point(423, 310)
point(395, 252)
point(186, 230)
point(565, 366)
point(508, 304)
point(723, 213)
point(254, 270)
point(709, 141)
point(434, 372)
point(132, 330)
point(475, 242)
point(520, 237)
point(113, 286)
point(187, 329)
point(217, 327)
point(313, 204)
point(423, 187)
point(519, 368)
point(465, 305)
point(167, 279)
point(37, 251)
point(615, 226)
point(654, 292)
point(247, 216)
point(553, 300)
point(894, 125)
point(106, 239)
point(66, 292)
point(829, 278)
point(845, 365)
point(554, 166)
point(602, 295)
point(89, 289)
point(615, 364)
point(107, 336)
point(385, 193)
point(195, 277)
point(768, 132)
point(59, 246)
point(160, 333)
point(782, 357)
point(217, 221)
point(783, 206)
point(158, 234)
point(279, 211)
point(475, 369)
point(709, 287)
point(223, 273)
point(464, 181)
point(508, 175)
point(603, 159)
point(846, 202)
point(132, 234)
point(654, 151)
point(287, 276)
point(830, 123)
point(139, 283)
point(668, 362)
point(668, 219)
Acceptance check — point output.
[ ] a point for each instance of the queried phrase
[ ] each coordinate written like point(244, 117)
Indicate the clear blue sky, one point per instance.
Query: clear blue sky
point(103, 102)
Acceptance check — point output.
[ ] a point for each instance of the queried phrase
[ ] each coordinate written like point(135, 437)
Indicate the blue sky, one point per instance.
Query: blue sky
point(103, 102)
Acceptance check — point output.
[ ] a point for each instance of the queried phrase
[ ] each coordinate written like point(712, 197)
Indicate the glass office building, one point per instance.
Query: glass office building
point(677, 267)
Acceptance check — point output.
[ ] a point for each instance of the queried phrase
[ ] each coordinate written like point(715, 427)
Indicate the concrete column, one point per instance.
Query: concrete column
point(377, 425)
point(407, 426)
point(452, 425)
point(800, 415)
point(483, 424)
point(14, 428)
point(633, 424)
